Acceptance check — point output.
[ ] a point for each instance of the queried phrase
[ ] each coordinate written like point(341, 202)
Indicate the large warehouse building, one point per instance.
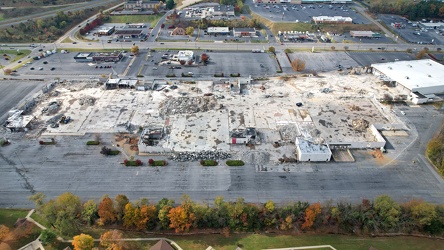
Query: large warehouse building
point(422, 76)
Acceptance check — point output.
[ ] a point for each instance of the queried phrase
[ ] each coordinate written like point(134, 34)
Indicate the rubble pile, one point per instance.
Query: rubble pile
point(87, 100)
point(202, 155)
point(55, 119)
point(288, 132)
point(360, 125)
point(256, 157)
point(187, 105)
point(52, 108)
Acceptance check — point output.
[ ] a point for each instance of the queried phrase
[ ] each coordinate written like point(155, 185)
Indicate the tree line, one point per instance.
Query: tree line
point(435, 151)
point(407, 8)
point(67, 214)
point(47, 29)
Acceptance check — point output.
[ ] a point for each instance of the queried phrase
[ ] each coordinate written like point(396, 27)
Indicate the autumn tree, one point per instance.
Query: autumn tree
point(83, 242)
point(271, 49)
point(135, 50)
point(147, 215)
point(421, 54)
point(298, 64)
point(182, 62)
point(421, 212)
point(180, 219)
point(189, 31)
point(7, 71)
point(120, 203)
point(106, 211)
point(131, 215)
point(112, 240)
point(204, 58)
point(387, 210)
point(190, 62)
point(269, 208)
point(310, 215)
point(4, 231)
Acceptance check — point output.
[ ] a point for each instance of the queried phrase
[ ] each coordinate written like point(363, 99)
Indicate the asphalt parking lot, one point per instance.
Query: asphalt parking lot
point(324, 61)
point(64, 64)
point(304, 12)
point(247, 63)
point(368, 58)
point(410, 33)
point(12, 92)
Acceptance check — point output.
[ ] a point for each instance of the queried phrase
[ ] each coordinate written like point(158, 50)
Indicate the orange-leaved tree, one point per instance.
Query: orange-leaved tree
point(83, 242)
point(106, 211)
point(147, 215)
point(4, 231)
point(180, 219)
point(112, 240)
point(310, 215)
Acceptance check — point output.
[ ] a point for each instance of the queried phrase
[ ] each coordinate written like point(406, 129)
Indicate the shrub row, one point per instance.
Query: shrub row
point(108, 151)
point(132, 163)
point(92, 143)
point(235, 75)
point(52, 142)
point(154, 163)
point(208, 163)
point(234, 163)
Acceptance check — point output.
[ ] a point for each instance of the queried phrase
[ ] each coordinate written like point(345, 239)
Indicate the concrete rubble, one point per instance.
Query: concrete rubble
point(87, 100)
point(187, 105)
point(256, 157)
point(202, 155)
point(360, 125)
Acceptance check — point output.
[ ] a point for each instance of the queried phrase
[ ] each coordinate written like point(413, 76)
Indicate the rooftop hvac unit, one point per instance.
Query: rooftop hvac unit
point(407, 77)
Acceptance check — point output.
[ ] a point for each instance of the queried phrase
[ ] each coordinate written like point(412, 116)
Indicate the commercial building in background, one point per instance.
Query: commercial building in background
point(332, 19)
point(98, 56)
point(106, 31)
point(364, 34)
point(218, 31)
point(138, 6)
point(244, 32)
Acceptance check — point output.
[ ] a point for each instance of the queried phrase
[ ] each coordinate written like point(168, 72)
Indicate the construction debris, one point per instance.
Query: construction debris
point(87, 100)
point(187, 105)
point(202, 155)
point(360, 125)
point(256, 157)
point(52, 108)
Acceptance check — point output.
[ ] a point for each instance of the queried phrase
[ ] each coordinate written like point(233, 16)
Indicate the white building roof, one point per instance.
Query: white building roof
point(218, 30)
point(423, 76)
point(361, 33)
point(310, 147)
point(332, 19)
point(432, 25)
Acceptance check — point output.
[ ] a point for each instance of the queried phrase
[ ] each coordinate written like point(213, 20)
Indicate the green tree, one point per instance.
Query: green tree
point(48, 236)
point(120, 203)
point(271, 49)
point(423, 213)
point(89, 213)
point(63, 213)
point(387, 210)
point(170, 4)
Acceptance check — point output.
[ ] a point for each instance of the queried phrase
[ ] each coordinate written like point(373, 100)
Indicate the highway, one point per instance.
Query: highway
point(45, 14)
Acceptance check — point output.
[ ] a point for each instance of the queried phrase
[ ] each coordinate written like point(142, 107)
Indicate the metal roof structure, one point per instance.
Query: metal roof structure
point(423, 76)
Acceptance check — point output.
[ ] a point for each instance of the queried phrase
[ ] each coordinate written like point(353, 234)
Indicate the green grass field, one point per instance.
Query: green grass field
point(152, 19)
point(259, 241)
point(9, 216)
point(2, 17)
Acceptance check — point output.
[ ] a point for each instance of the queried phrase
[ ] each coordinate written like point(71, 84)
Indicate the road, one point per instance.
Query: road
point(45, 14)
